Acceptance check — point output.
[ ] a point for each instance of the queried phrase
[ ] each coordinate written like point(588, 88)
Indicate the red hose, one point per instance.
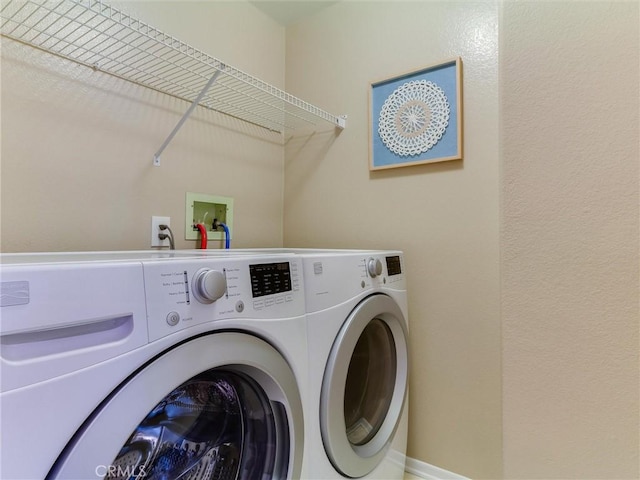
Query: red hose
point(203, 235)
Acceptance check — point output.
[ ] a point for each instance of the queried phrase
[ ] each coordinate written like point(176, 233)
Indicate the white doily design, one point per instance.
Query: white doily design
point(413, 118)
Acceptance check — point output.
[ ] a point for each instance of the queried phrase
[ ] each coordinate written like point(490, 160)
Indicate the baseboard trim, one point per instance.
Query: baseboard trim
point(429, 472)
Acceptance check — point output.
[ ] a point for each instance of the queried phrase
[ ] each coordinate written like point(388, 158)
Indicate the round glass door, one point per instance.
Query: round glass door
point(217, 425)
point(224, 405)
point(364, 386)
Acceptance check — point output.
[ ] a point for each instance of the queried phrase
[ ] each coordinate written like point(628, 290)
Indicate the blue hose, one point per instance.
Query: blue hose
point(227, 236)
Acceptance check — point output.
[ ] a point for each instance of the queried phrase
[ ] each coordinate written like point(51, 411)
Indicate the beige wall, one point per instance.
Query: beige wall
point(570, 82)
point(444, 216)
point(77, 145)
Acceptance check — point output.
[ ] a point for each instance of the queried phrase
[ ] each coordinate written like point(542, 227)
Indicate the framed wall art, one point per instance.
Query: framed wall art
point(416, 118)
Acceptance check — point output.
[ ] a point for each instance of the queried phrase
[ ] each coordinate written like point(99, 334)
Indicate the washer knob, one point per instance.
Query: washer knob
point(208, 285)
point(374, 267)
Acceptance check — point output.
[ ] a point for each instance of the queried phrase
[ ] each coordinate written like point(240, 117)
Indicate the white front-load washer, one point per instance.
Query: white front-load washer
point(144, 365)
point(357, 326)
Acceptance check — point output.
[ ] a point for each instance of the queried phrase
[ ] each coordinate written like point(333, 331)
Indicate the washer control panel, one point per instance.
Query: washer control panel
point(183, 293)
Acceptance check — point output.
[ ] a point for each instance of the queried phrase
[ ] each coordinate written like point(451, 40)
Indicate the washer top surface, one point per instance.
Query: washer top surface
point(126, 256)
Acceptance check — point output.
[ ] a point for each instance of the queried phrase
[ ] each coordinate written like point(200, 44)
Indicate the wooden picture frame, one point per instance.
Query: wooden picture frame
point(416, 117)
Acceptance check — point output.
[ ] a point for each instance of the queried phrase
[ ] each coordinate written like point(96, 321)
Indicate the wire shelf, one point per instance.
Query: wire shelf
point(99, 36)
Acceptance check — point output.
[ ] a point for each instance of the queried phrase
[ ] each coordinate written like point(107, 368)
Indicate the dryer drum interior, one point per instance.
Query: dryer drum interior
point(370, 382)
point(217, 425)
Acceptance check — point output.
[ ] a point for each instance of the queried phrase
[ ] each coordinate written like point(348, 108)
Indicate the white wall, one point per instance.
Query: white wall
point(77, 145)
point(444, 216)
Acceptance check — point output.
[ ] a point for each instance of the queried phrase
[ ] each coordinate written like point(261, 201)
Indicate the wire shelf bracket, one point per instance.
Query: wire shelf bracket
point(94, 34)
point(196, 102)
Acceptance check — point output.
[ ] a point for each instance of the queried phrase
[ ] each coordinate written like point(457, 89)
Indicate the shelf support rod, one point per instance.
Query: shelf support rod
point(196, 102)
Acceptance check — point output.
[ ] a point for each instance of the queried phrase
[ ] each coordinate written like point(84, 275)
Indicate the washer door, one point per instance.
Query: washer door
point(220, 406)
point(364, 386)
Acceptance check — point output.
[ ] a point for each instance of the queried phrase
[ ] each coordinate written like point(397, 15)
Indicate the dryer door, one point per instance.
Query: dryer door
point(220, 406)
point(364, 386)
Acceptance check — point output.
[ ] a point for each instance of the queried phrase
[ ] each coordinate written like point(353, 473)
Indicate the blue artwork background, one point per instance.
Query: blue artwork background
point(445, 76)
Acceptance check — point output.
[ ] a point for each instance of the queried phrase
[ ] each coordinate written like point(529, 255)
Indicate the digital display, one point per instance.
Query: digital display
point(270, 278)
point(393, 265)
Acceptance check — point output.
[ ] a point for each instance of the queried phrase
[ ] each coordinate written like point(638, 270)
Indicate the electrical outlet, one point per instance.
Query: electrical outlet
point(201, 208)
point(155, 230)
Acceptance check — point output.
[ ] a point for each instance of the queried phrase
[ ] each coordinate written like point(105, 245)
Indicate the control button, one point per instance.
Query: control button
point(374, 267)
point(173, 318)
point(239, 306)
point(208, 285)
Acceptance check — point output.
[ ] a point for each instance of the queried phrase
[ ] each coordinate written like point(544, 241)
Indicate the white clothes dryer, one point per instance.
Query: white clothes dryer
point(357, 326)
point(144, 365)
